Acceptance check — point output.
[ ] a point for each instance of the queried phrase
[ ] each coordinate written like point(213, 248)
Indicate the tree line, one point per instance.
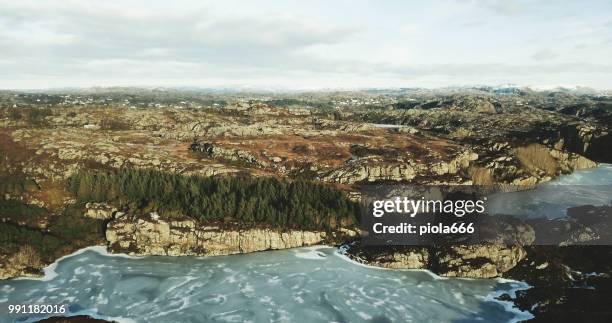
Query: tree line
point(244, 200)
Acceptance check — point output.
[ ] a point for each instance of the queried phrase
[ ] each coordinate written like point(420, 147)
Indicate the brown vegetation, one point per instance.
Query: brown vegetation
point(26, 257)
point(481, 176)
point(537, 157)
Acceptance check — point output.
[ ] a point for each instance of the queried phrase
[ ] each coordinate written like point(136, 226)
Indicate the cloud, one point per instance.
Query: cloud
point(506, 7)
point(544, 55)
point(101, 31)
point(313, 44)
point(473, 23)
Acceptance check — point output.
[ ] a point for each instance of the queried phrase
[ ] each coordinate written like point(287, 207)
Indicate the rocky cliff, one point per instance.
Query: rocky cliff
point(215, 151)
point(474, 261)
point(372, 169)
point(499, 252)
point(149, 235)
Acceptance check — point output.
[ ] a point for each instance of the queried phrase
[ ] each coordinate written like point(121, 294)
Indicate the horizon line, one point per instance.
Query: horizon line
point(263, 88)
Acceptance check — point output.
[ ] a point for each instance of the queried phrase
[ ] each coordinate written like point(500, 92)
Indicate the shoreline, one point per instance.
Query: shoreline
point(49, 273)
point(493, 296)
point(509, 304)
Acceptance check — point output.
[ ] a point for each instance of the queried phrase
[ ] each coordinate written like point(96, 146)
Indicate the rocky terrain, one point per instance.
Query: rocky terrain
point(462, 137)
point(344, 140)
point(496, 255)
point(150, 235)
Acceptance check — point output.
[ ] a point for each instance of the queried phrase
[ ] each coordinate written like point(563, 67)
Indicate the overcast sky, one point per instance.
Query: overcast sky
point(305, 44)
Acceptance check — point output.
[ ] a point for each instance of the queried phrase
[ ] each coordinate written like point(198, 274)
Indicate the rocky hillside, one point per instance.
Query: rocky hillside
point(341, 139)
point(147, 235)
point(337, 140)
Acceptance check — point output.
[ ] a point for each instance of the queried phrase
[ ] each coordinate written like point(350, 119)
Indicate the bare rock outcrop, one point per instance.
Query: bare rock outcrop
point(469, 261)
point(100, 211)
point(477, 261)
point(364, 171)
point(215, 151)
point(502, 245)
point(372, 169)
point(394, 257)
point(146, 235)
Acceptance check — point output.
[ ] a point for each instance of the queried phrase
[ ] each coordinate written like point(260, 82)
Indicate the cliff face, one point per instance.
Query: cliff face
point(372, 169)
point(521, 139)
point(476, 261)
point(498, 254)
point(236, 155)
point(149, 235)
point(146, 235)
point(600, 148)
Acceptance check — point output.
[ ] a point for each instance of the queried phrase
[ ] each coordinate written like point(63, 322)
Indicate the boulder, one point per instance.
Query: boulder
point(100, 211)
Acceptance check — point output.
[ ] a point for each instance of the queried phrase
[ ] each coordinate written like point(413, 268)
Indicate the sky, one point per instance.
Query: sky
point(305, 44)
